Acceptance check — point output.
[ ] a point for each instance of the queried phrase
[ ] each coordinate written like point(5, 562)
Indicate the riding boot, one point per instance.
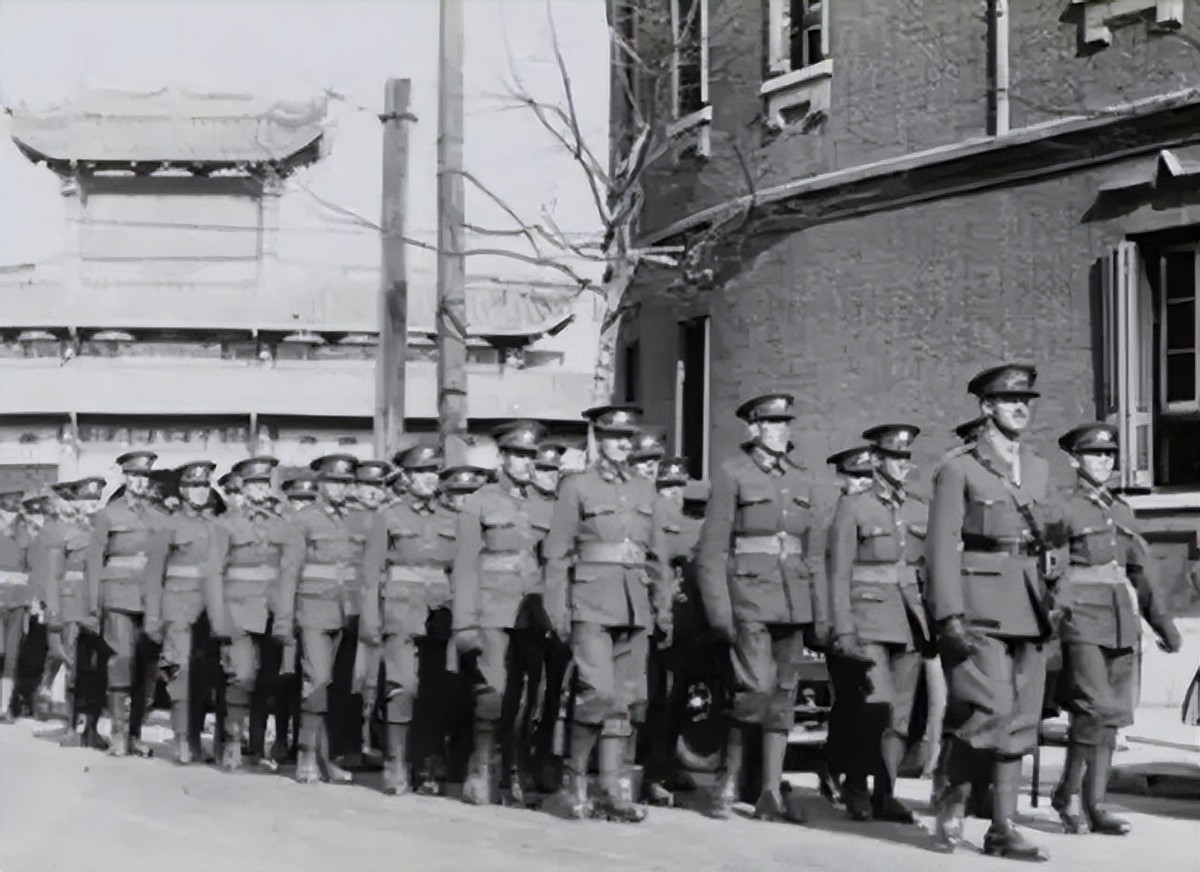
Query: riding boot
point(119, 705)
point(307, 768)
point(231, 738)
point(726, 793)
point(951, 792)
point(477, 788)
point(615, 802)
point(772, 805)
point(395, 765)
point(7, 700)
point(1096, 788)
point(571, 801)
point(1003, 838)
point(330, 771)
point(1067, 798)
point(179, 727)
point(885, 806)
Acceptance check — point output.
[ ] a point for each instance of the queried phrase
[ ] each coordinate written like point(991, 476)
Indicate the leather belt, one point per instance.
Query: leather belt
point(900, 574)
point(777, 544)
point(1105, 573)
point(327, 572)
point(506, 561)
point(426, 574)
point(188, 572)
point(13, 576)
point(251, 573)
point(984, 545)
point(73, 575)
point(625, 553)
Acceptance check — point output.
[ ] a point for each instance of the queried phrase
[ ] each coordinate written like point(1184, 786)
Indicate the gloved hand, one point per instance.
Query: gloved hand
point(91, 623)
point(816, 637)
point(1169, 641)
point(954, 643)
point(467, 640)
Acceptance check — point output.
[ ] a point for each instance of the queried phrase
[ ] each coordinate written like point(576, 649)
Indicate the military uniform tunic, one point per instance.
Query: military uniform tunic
point(876, 549)
point(1105, 591)
point(406, 577)
point(498, 580)
point(254, 546)
point(758, 581)
point(16, 593)
point(174, 593)
point(981, 552)
point(325, 593)
point(605, 527)
point(115, 563)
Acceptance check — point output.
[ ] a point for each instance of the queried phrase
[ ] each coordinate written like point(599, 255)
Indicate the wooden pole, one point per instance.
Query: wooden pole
point(393, 287)
point(451, 271)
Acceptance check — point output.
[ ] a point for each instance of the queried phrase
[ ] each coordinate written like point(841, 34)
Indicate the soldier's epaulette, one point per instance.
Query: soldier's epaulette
point(958, 451)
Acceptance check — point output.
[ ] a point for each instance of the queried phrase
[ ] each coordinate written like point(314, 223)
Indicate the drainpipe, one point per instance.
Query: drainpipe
point(997, 17)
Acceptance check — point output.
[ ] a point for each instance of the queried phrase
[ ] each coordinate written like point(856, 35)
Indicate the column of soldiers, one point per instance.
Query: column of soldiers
point(522, 631)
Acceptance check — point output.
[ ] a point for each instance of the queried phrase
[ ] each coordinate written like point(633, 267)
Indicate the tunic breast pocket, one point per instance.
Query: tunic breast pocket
point(400, 539)
point(756, 510)
point(501, 532)
point(877, 545)
point(599, 517)
point(1093, 543)
point(987, 516)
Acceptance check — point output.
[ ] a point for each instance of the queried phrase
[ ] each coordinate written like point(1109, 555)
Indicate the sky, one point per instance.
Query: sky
point(53, 51)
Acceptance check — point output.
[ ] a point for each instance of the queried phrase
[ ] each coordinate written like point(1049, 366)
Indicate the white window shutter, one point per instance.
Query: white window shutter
point(1128, 356)
point(779, 36)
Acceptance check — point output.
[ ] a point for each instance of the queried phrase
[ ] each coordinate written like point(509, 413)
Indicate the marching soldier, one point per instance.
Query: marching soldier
point(174, 596)
point(1103, 595)
point(300, 491)
point(499, 613)
point(670, 667)
point(254, 547)
point(406, 579)
point(230, 487)
point(986, 590)
point(57, 563)
point(16, 600)
point(323, 595)
point(606, 527)
point(116, 559)
point(762, 592)
point(876, 548)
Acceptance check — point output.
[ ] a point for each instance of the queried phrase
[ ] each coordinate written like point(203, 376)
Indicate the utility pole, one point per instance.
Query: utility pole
point(451, 270)
point(393, 287)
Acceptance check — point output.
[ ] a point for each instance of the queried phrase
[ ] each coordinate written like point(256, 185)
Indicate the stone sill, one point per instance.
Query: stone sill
point(690, 135)
point(690, 122)
point(1165, 501)
point(797, 78)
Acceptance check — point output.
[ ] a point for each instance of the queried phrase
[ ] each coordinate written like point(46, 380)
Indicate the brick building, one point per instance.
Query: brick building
point(896, 195)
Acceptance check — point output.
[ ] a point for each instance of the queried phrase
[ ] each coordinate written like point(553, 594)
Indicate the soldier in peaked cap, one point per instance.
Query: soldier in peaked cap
point(254, 547)
point(230, 487)
point(649, 448)
point(57, 559)
point(988, 527)
point(606, 527)
point(762, 591)
point(316, 602)
point(116, 559)
point(16, 598)
point(300, 490)
point(499, 612)
point(174, 595)
point(1104, 594)
point(875, 551)
point(406, 584)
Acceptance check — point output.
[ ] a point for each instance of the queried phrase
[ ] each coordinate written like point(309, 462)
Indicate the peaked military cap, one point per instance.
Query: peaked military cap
point(853, 461)
point(549, 455)
point(374, 472)
point(254, 469)
point(198, 473)
point(229, 483)
point(90, 488)
point(520, 436)
point(894, 440)
point(419, 457)
point(1098, 438)
point(300, 487)
point(1005, 380)
point(649, 444)
point(464, 479)
point(768, 407)
point(11, 501)
point(624, 419)
point(335, 467)
point(136, 461)
point(968, 430)
point(673, 473)
point(36, 504)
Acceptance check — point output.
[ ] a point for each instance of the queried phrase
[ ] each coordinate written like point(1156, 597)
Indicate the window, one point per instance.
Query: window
point(1152, 361)
point(1097, 19)
point(630, 375)
point(692, 395)
point(689, 24)
point(796, 85)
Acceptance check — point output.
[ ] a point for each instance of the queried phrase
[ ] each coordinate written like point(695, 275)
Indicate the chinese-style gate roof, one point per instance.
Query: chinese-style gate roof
point(171, 128)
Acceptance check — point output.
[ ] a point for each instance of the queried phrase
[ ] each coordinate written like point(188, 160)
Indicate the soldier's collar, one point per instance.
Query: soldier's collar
point(1098, 494)
point(889, 493)
point(769, 461)
point(610, 471)
point(423, 504)
point(518, 489)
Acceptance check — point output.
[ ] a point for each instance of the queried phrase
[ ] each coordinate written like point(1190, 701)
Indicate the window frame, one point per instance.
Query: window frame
point(677, 42)
point(779, 38)
point(1178, 407)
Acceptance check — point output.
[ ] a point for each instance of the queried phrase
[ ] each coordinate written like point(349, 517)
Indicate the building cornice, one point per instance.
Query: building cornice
point(1021, 156)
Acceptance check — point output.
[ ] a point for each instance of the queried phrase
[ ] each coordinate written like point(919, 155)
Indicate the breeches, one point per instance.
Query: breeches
point(766, 663)
point(610, 671)
point(1097, 688)
point(893, 675)
point(994, 697)
point(318, 648)
point(121, 632)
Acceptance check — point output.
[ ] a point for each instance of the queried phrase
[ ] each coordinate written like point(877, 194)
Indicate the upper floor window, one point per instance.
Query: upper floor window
point(689, 29)
point(798, 34)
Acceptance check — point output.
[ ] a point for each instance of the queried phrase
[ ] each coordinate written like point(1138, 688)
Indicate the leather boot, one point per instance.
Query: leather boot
point(571, 801)
point(119, 705)
point(91, 737)
point(395, 764)
point(615, 802)
point(307, 769)
point(477, 788)
point(726, 793)
point(331, 772)
point(71, 738)
point(179, 726)
point(231, 740)
point(772, 805)
point(1102, 820)
point(1066, 798)
point(885, 806)
point(6, 700)
point(1003, 838)
point(857, 798)
point(950, 805)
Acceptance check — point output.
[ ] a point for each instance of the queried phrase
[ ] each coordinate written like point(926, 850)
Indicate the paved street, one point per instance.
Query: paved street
point(75, 809)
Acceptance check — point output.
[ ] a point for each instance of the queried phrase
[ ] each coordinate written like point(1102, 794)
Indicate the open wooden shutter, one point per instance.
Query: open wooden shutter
point(1128, 364)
